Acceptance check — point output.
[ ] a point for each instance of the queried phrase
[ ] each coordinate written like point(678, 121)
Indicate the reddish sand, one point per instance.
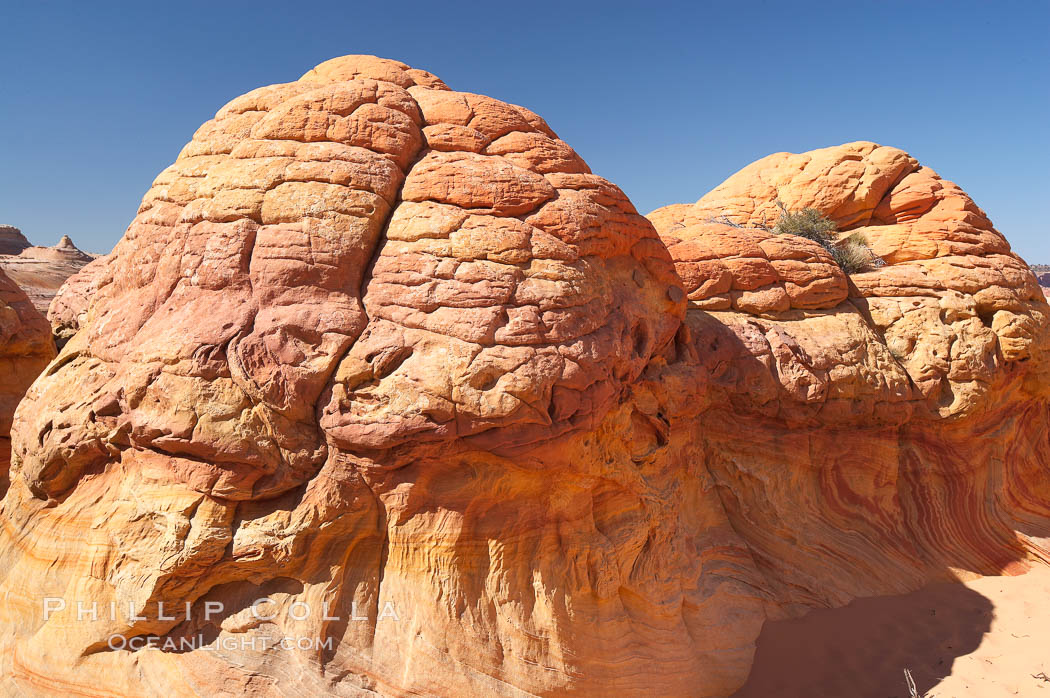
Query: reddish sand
point(985, 638)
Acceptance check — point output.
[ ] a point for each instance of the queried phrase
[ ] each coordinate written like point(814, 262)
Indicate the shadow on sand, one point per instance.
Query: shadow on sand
point(861, 650)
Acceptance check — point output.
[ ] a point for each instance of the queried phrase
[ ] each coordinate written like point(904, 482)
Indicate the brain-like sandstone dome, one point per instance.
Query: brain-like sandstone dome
point(954, 306)
point(372, 345)
point(510, 293)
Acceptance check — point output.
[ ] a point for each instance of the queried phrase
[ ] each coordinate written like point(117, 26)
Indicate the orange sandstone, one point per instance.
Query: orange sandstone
point(375, 346)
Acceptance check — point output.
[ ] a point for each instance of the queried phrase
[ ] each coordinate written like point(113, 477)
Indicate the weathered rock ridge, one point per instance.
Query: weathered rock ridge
point(372, 345)
point(41, 271)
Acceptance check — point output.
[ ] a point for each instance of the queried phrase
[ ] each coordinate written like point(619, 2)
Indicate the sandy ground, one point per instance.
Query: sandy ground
point(988, 638)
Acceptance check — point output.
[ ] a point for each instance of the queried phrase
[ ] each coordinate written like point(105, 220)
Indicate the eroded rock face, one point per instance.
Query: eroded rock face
point(25, 349)
point(953, 305)
point(905, 411)
point(356, 271)
point(68, 308)
point(373, 347)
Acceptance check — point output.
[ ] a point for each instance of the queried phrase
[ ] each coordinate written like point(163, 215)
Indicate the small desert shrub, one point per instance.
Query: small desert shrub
point(851, 253)
point(808, 223)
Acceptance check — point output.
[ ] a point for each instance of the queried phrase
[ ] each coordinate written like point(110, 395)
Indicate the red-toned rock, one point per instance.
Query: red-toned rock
point(905, 418)
point(25, 349)
point(389, 360)
point(953, 304)
point(69, 306)
point(313, 311)
point(753, 270)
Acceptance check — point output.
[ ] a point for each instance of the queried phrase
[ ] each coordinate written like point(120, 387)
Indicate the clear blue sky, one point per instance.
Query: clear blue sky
point(666, 100)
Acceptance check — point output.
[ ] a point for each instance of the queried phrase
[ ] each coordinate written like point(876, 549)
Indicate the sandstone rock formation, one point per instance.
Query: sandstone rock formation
point(389, 356)
point(910, 406)
point(12, 241)
point(70, 303)
point(41, 271)
point(25, 349)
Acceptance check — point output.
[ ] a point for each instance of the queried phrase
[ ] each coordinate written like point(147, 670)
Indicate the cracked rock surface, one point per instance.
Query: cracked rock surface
point(372, 345)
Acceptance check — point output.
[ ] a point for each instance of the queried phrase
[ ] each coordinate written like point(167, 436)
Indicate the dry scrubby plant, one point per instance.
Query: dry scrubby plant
point(851, 253)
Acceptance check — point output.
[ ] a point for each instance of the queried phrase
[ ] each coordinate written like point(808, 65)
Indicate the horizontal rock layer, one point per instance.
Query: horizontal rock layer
point(41, 271)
